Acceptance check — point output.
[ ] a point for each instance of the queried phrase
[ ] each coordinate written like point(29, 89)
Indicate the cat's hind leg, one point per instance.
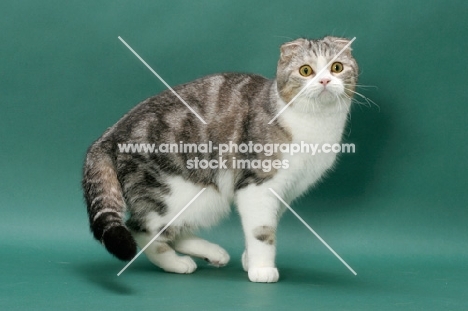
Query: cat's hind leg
point(163, 255)
point(197, 247)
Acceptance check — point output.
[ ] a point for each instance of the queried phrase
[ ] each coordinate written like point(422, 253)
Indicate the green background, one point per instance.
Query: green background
point(396, 210)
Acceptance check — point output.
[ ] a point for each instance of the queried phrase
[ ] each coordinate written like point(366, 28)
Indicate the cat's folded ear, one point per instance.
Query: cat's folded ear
point(288, 49)
point(339, 42)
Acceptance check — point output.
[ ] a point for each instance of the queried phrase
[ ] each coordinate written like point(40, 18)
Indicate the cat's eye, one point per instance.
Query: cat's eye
point(305, 70)
point(337, 67)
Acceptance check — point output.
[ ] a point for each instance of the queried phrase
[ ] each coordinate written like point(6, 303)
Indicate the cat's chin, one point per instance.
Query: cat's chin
point(326, 97)
point(323, 103)
point(329, 99)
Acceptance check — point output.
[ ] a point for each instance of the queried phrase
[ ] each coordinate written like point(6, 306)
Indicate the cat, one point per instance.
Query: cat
point(131, 196)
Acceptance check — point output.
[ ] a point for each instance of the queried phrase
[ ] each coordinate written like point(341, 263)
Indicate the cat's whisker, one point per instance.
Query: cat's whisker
point(369, 101)
point(347, 105)
point(343, 100)
point(338, 107)
point(360, 85)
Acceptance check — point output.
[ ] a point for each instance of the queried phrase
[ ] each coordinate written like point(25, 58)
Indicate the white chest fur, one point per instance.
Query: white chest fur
point(305, 169)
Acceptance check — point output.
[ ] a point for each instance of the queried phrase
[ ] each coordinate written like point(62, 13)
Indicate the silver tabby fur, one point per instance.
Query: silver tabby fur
point(237, 108)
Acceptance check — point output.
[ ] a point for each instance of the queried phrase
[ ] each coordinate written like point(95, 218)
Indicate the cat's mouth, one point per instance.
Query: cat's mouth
point(320, 93)
point(326, 93)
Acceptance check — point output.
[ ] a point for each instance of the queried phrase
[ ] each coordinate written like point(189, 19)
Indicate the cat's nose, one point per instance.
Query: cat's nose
point(324, 81)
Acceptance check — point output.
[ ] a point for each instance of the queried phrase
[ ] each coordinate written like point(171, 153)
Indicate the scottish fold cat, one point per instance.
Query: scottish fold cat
point(131, 196)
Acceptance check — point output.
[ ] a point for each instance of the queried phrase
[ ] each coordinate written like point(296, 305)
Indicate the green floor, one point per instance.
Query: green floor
point(70, 272)
point(396, 210)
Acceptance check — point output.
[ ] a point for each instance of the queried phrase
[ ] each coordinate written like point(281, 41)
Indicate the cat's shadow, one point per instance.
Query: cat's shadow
point(316, 277)
point(103, 275)
point(328, 281)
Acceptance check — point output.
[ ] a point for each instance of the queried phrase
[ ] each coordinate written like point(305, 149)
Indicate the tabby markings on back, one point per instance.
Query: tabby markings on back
point(131, 196)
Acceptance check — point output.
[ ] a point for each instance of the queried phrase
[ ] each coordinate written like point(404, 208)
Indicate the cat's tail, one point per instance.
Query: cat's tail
point(105, 202)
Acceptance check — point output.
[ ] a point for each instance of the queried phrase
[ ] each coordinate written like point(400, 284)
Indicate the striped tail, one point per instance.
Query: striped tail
point(106, 205)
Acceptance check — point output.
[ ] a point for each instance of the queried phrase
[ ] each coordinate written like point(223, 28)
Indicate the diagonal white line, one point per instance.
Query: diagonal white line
point(312, 80)
point(315, 233)
point(160, 232)
point(159, 77)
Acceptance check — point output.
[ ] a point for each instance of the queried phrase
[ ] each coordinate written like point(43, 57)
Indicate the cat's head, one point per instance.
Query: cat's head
point(302, 59)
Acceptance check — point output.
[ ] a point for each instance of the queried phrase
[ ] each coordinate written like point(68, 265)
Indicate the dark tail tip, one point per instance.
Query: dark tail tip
point(120, 243)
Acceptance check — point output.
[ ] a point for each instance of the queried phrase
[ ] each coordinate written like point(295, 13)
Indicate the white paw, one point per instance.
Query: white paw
point(217, 256)
point(245, 261)
point(179, 264)
point(263, 275)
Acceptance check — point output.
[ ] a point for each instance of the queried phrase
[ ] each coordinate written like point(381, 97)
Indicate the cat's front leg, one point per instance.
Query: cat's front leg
point(259, 211)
